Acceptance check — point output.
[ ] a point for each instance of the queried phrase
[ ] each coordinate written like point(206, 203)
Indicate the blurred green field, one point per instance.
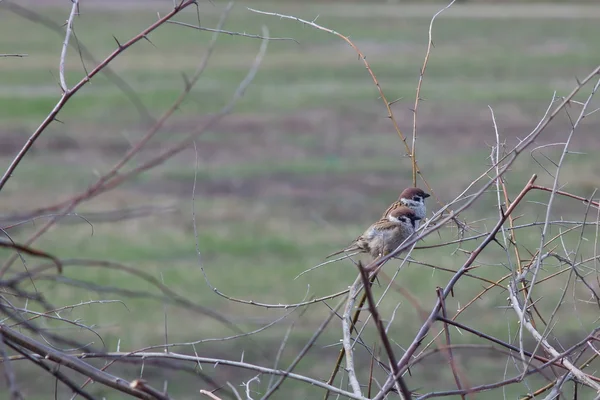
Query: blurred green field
point(307, 160)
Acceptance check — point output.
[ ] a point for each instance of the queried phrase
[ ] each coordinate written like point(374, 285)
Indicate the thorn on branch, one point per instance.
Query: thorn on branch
point(118, 43)
point(186, 81)
point(149, 41)
point(395, 101)
point(499, 244)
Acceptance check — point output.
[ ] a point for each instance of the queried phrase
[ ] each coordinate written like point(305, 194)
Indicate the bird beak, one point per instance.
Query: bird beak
point(426, 195)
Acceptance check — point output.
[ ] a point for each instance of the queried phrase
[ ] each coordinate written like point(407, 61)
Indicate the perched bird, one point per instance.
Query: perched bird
point(413, 198)
point(385, 235)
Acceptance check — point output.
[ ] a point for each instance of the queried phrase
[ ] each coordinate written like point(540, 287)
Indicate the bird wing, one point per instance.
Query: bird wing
point(390, 208)
point(361, 243)
point(383, 226)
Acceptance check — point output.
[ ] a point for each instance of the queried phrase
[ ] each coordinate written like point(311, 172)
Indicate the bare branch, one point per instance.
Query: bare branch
point(71, 92)
point(583, 378)
point(347, 326)
point(244, 34)
point(71, 362)
point(218, 361)
point(63, 53)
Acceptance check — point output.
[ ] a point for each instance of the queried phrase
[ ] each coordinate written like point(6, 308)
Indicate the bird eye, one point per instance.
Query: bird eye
point(417, 198)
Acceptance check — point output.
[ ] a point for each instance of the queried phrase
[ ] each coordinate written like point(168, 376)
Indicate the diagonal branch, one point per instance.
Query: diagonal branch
point(68, 94)
point(582, 377)
point(71, 362)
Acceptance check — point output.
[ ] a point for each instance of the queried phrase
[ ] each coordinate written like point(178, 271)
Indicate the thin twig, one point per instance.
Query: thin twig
point(360, 56)
point(303, 352)
point(451, 359)
point(413, 151)
point(63, 53)
point(244, 34)
point(567, 194)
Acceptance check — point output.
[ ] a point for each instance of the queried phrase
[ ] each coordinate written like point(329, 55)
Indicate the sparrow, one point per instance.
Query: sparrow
point(413, 198)
point(385, 235)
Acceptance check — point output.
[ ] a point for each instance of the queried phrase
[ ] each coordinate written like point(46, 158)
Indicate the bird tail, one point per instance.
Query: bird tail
point(346, 250)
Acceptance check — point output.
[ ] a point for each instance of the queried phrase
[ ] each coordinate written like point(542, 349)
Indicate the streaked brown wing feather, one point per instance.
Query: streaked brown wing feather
point(390, 208)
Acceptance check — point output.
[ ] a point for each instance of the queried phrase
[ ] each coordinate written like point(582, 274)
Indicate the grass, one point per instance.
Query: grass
point(317, 71)
point(307, 161)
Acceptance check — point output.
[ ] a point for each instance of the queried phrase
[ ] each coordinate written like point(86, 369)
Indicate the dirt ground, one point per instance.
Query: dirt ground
point(341, 135)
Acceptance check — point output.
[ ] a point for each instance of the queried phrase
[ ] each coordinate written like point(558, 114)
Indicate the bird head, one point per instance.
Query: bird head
point(413, 194)
point(404, 215)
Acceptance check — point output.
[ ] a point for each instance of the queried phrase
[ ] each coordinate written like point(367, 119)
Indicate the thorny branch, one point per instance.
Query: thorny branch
point(112, 179)
point(525, 320)
point(71, 92)
point(70, 362)
point(15, 345)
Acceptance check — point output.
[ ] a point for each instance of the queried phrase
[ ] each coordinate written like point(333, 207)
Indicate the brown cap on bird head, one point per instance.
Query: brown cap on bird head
point(404, 211)
point(411, 192)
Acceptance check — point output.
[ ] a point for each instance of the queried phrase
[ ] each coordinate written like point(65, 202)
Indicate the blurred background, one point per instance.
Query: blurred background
point(306, 161)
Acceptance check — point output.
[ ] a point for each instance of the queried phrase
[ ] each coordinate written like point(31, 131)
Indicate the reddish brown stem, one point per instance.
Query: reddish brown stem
point(567, 194)
point(451, 360)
